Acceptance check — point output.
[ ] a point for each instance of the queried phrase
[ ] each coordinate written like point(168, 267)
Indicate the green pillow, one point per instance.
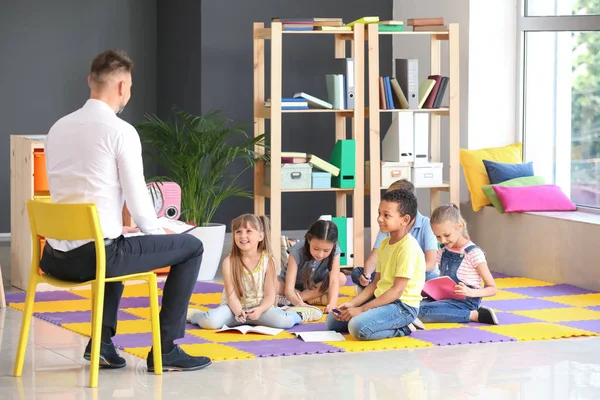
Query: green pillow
point(523, 181)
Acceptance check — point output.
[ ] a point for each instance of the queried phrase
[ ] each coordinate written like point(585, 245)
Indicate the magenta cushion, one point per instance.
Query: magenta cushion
point(533, 198)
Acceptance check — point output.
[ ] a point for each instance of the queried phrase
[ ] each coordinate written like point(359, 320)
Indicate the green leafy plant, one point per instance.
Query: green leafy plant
point(198, 152)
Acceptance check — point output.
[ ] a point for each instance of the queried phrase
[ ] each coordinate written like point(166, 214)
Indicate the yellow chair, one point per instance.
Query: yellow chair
point(78, 222)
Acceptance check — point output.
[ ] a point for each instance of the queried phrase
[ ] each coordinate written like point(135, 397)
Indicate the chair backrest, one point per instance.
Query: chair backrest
point(65, 222)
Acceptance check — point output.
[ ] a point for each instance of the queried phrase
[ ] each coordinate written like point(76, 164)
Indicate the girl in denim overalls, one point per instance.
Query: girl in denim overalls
point(464, 262)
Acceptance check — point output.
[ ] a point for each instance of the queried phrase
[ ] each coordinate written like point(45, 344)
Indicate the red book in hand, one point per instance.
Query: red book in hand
point(441, 288)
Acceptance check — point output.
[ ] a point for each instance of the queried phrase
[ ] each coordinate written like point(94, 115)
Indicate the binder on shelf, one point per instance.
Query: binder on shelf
point(341, 224)
point(347, 66)
point(349, 241)
point(343, 156)
point(398, 143)
point(421, 138)
point(407, 74)
point(335, 91)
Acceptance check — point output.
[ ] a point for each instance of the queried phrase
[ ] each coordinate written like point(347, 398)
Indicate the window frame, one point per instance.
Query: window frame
point(564, 23)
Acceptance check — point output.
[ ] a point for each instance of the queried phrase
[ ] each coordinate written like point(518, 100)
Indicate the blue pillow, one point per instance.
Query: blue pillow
point(501, 172)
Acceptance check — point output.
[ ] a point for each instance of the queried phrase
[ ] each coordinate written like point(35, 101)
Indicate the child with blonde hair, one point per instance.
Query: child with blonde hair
point(463, 261)
point(250, 283)
point(312, 274)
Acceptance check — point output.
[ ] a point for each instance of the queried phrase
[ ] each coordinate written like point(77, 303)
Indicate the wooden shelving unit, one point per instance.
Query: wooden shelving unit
point(452, 111)
point(21, 190)
point(274, 35)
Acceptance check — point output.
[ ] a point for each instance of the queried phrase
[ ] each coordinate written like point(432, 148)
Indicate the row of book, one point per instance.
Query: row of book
point(427, 24)
point(431, 93)
point(337, 24)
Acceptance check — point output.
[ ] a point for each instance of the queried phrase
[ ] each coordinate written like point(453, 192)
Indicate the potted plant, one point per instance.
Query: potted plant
point(198, 153)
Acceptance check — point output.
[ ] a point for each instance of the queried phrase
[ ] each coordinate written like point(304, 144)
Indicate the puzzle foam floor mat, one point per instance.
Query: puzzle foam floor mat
point(527, 309)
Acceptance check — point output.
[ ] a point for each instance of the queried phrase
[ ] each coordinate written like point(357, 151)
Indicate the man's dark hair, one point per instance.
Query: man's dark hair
point(108, 63)
point(406, 200)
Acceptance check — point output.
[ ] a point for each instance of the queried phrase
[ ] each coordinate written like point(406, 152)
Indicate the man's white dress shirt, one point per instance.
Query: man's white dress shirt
point(93, 156)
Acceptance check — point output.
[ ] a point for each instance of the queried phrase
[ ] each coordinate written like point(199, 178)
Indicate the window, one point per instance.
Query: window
point(541, 8)
point(561, 96)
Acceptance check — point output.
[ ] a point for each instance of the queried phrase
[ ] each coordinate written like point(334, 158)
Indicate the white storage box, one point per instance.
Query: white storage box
point(390, 172)
point(425, 175)
point(293, 176)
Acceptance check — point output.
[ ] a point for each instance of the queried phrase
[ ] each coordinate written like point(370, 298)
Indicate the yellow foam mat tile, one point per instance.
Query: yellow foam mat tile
point(123, 327)
point(235, 336)
point(443, 325)
point(206, 298)
point(504, 295)
point(138, 290)
point(351, 344)
point(561, 314)
point(57, 306)
point(216, 352)
point(578, 300)
point(537, 331)
point(513, 283)
point(348, 291)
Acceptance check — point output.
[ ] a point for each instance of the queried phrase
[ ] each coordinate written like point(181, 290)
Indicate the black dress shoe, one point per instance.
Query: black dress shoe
point(179, 360)
point(109, 357)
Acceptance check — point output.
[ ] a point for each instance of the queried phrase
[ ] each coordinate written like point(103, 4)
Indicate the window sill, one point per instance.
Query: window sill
point(584, 215)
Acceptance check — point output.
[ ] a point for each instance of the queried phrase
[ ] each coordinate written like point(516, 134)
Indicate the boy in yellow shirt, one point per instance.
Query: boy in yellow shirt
point(389, 305)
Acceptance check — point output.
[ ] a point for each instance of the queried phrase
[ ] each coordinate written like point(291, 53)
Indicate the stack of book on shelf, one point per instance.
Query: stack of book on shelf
point(427, 24)
point(290, 103)
point(391, 26)
point(312, 101)
point(392, 94)
point(363, 20)
point(309, 24)
point(290, 157)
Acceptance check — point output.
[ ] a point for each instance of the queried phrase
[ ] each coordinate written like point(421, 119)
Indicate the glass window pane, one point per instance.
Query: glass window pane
point(541, 8)
point(562, 111)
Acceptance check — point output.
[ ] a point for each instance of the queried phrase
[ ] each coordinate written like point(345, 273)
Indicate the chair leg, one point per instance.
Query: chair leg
point(154, 320)
point(25, 325)
point(97, 311)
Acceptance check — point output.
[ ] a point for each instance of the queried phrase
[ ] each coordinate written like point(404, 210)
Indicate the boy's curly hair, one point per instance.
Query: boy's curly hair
point(406, 200)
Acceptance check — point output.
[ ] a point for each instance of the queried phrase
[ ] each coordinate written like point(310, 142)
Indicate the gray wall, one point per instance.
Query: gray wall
point(46, 48)
point(227, 82)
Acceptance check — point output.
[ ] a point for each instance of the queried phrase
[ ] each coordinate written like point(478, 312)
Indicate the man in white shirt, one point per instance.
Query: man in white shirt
point(93, 156)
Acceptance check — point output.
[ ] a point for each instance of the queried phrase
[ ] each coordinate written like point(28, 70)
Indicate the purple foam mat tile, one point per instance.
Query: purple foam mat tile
point(283, 347)
point(349, 281)
point(137, 302)
point(55, 295)
point(317, 326)
point(508, 318)
point(145, 339)
point(497, 275)
point(591, 325)
point(444, 337)
point(549, 291)
point(60, 318)
point(201, 287)
point(594, 308)
point(523, 304)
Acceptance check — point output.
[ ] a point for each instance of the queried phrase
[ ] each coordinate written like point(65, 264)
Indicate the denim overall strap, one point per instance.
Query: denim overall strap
point(449, 264)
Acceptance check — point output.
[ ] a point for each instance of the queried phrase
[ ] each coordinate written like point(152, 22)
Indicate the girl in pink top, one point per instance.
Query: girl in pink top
point(464, 262)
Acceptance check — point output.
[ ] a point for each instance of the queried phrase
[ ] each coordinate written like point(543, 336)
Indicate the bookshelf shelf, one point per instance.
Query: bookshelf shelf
point(452, 111)
point(355, 118)
point(265, 112)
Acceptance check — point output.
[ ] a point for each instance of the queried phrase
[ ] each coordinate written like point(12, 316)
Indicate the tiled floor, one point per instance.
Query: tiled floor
point(560, 369)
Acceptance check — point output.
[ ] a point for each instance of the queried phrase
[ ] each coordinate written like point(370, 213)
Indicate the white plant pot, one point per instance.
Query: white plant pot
point(213, 238)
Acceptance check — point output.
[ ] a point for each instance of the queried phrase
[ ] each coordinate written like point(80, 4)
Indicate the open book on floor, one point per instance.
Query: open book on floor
point(320, 336)
point(264, 330)
point(441, 288)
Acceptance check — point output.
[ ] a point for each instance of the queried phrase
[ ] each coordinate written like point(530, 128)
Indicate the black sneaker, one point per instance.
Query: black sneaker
point(487, 316)
point(179, 360)
point(109, 357)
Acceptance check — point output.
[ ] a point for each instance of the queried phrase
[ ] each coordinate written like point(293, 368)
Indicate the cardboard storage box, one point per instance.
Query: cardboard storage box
point(293, 176)
point(424, 175)
point(390, 172)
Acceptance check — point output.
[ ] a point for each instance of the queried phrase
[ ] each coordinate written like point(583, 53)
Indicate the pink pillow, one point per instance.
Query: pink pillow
point(533, 198)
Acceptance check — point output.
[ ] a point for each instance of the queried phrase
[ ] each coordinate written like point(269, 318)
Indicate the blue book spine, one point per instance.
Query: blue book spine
point(388, 92)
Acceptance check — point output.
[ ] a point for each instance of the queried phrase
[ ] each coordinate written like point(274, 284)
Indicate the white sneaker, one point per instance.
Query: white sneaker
point(282, 301)
point(308, 313)
point(418, 324)
point(190, 312)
